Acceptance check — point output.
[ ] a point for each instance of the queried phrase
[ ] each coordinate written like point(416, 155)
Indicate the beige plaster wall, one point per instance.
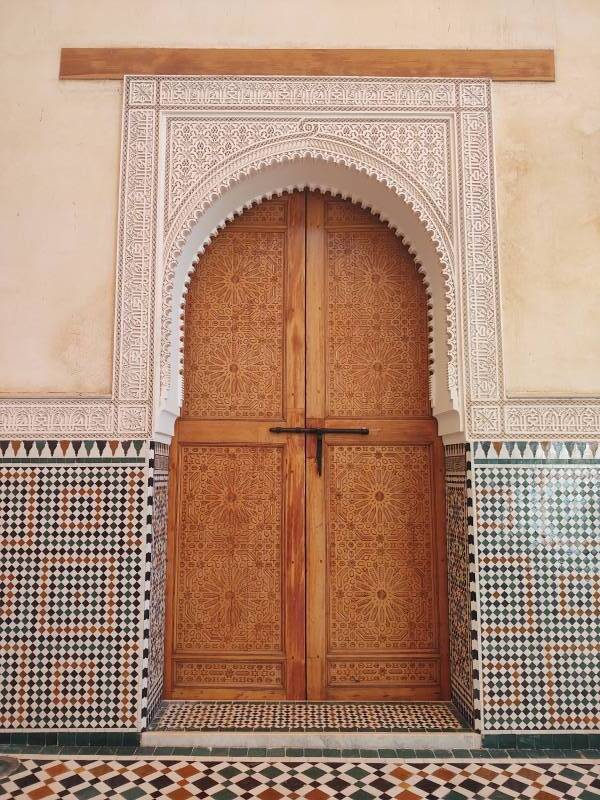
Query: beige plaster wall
point(59, 151)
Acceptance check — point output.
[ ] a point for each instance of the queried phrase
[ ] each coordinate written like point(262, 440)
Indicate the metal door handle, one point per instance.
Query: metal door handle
point(319, 433)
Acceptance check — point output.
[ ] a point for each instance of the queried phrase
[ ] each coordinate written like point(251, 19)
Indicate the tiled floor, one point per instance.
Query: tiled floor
point(180, 779)
point(247, 716)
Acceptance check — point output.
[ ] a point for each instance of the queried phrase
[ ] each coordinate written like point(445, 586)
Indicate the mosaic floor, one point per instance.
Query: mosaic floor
point(240, 716)
point(180, 779)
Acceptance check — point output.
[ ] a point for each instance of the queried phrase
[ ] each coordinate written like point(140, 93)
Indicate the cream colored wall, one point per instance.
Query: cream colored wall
point(59, 150)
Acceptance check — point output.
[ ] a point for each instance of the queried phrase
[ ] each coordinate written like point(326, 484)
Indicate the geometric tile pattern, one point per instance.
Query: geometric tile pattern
point(300, 716)
point(71, 528)
point(156, 584)
point(183, 778)
point(462, 606)
point(538, 531)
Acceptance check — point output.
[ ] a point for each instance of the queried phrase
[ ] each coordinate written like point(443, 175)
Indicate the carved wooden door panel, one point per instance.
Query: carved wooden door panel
point(235, 597)
point(374, 559)
point(376, 556)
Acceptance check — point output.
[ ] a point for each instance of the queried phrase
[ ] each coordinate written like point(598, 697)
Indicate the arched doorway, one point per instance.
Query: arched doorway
point(306, 565)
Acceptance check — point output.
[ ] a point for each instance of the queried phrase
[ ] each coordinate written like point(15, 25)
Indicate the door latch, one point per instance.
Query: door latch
point(319, 433)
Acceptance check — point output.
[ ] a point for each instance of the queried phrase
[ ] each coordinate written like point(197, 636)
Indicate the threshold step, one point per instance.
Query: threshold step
point(363, 740)
point(335, 725)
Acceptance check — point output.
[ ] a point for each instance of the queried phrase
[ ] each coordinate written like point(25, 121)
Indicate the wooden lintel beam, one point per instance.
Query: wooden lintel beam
point(111, 63)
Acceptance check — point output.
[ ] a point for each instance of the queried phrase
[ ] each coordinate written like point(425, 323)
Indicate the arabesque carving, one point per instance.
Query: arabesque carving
point(194, 147)
point(377, 329)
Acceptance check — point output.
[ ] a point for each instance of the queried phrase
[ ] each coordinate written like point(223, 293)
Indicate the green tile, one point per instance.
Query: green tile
point(571, 774)
point(224, 794)
point(461, 753)
point(99, 738)
point(331, 752)
point(271, 771)
point(386, 753)
point(236, 752)
point(368, 753)
point(182, 751)
point(480, 753)
point(360, 794)
point(133, 794)
point(490, 740)
point(230, 771)
point(526, 741)
point(67, 737)
point(200, 751)
point(579, 741)
point(257, 751)
point(561, 741)
point(131, 739)
point(144, 751)
point(452, 795)
point(504, 741)
point(276, 752)
point(87, 793)
point(405, 753)
point(424, 754)
point(163, 751)
point(294, 751)
point(219, 751)
point(350, 753)
point(314, 772)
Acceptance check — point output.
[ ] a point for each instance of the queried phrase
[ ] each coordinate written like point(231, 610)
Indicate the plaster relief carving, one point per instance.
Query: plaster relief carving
point(198, 150)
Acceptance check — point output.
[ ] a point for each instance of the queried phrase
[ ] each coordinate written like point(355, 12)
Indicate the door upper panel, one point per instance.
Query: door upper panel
point(234, 351)
point(376, 319)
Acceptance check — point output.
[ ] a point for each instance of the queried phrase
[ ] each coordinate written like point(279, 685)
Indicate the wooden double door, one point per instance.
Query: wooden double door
point(294, 573)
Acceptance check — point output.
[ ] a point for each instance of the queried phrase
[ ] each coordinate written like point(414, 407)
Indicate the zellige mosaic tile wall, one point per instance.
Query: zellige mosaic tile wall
point(72, 523)
point(157, 561)
point(462, 608)
point(537, 507)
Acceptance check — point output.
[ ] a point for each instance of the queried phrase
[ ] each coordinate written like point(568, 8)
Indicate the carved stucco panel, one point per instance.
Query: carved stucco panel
point(295, 140)
point(418, 146)
point(427, 141)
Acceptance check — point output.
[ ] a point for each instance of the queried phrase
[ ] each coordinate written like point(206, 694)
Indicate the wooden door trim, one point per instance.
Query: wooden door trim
point(316, 545)
point(295, 486)
point(112, 63)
